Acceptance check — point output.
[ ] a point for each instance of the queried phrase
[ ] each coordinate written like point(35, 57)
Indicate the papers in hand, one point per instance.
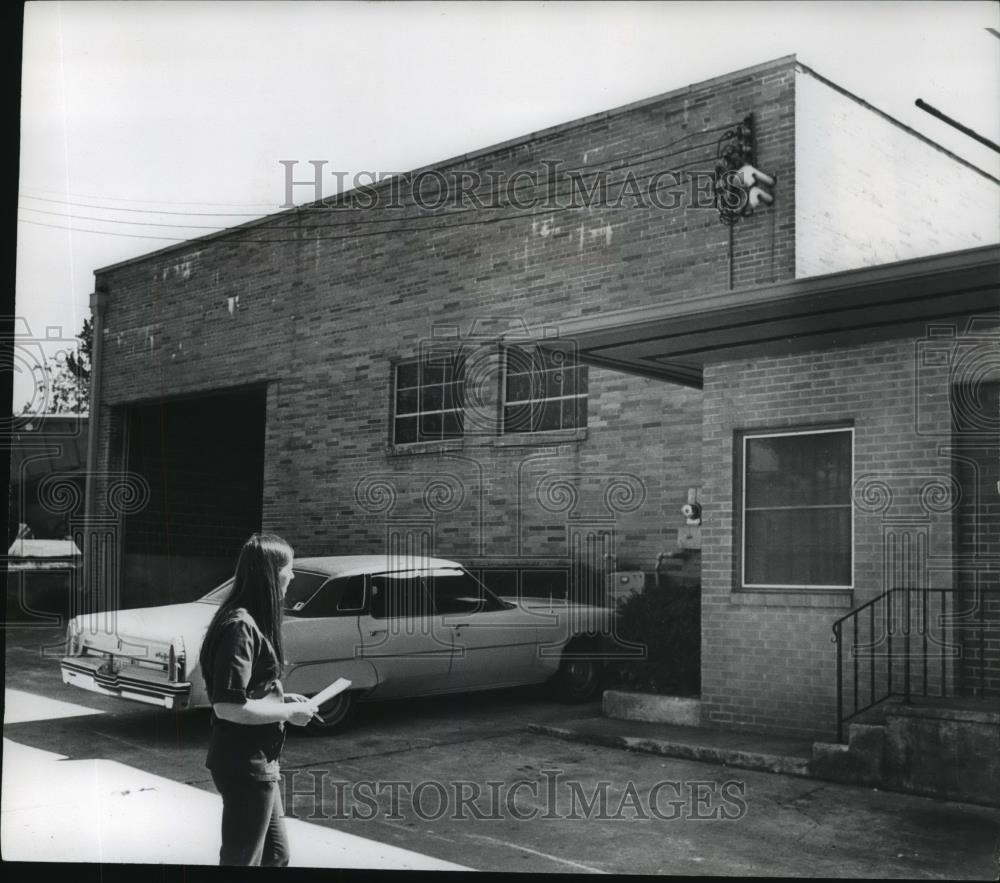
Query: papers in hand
point(325, 695)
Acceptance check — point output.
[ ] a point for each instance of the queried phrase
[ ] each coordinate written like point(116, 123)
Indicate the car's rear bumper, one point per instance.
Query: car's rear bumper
point(130, 682)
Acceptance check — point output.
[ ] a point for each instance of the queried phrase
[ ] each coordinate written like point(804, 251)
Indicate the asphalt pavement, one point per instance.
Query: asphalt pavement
point(89, 779)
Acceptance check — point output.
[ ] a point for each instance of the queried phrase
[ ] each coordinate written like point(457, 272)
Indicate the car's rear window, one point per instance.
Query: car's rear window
point(218, 595)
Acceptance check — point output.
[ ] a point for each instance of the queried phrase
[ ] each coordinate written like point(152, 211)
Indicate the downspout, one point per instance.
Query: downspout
point(98, 304)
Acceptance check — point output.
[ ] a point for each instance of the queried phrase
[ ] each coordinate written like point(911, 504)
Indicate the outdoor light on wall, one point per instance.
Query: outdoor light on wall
point(692, 512)
point(758, 186)
point(740, 187)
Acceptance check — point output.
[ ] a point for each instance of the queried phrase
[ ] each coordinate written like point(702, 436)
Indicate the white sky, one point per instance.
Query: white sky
point(188, 107)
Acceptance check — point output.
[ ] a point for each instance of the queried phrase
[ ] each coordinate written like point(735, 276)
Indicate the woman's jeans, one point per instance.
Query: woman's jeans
point(253, 830)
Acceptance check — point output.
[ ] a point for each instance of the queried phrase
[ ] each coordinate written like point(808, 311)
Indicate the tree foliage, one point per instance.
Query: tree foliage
point(68, 376)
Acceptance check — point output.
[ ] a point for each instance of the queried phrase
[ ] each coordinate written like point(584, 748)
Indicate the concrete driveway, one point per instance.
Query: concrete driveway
point(455, 782)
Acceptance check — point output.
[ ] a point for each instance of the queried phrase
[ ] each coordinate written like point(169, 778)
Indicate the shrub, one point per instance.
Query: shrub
point(667, 620)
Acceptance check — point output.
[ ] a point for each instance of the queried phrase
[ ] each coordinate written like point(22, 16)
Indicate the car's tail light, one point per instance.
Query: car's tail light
point(176, 662)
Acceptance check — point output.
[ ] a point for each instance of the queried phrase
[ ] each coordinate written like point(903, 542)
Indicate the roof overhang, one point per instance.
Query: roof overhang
point(673, 341)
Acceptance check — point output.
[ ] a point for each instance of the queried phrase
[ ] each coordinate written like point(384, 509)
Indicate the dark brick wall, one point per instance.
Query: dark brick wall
point(317, 305)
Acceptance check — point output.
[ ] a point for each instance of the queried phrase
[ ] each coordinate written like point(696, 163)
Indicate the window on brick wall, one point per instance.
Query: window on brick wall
point(544, 389)
point(428, 399)
point(797, 515)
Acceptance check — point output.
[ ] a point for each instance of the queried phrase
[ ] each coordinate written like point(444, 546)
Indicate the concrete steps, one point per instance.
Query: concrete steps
point(943, 749)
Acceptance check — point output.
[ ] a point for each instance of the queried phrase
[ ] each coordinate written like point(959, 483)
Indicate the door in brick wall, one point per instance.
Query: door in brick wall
point(976, 457)
point(203, 461)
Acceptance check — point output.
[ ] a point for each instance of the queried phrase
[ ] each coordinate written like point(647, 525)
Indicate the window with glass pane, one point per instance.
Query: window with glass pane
point(797, 516)
point(429, 399)
point(399, 596)
point(544, 389)
point(342, 596)
point(456, 591)
point(301, 590)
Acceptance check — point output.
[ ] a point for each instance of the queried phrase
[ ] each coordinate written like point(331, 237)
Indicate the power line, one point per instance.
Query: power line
point(654, 155)
point(233, 241)
point(364, 222)
point(147, 211)
point(100, 232)
point(127, 199)
point(115, 221)
point(550, 193)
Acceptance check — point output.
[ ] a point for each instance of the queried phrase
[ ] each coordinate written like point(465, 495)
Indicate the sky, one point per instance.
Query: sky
point(144, 122)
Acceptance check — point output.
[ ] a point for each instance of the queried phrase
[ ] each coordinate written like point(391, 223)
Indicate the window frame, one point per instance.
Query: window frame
point(742, 441)
point(532, 353)
point(456, 360)
point(306, 609)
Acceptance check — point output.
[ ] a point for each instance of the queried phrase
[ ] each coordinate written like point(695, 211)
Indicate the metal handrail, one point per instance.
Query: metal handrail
point(919, 652)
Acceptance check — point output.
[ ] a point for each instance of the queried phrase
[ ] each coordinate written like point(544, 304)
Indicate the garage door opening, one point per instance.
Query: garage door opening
point(204, 461)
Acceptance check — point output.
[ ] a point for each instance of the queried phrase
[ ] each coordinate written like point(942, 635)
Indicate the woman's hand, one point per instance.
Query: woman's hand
point(300, 709)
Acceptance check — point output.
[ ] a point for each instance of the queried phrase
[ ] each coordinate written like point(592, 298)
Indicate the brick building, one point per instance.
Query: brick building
point(367, 371)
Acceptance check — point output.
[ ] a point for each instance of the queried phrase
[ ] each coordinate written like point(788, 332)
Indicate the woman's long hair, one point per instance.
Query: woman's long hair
point(256, 589)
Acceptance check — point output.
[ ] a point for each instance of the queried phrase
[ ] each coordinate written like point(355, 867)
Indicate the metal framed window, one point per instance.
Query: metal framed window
point(428, 399)
point(797, 516)
point(544, 389)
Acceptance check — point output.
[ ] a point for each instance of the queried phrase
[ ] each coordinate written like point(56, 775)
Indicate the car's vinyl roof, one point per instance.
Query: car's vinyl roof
point(348, 565)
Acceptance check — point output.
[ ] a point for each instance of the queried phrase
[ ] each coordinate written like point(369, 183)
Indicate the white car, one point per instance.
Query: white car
point(394, 627)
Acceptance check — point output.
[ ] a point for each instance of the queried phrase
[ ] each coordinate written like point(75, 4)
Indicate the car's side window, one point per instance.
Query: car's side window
point(352, 599)
point(398, 595)
point(301, 592)
point(459, 592)
point(317, 596)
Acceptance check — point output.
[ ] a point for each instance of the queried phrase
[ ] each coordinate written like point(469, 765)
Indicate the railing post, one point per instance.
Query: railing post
point(871, 657)
point(906, 647)
point(923, 628)
point(854, 655)
point(982, 646)
point(888, 631)
point(840, 682)
point(944, 676)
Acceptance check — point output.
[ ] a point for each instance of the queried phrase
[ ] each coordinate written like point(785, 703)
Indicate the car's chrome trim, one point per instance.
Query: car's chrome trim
point(92, 676)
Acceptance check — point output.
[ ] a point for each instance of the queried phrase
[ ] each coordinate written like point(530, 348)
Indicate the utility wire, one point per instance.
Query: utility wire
point(230, 240)
point(146, 211)
point(550, 193)
point(436, 216)
point(127, 199)
point(653, 155)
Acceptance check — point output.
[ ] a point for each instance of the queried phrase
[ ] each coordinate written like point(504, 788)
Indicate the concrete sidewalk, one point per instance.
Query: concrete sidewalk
point(100, 811)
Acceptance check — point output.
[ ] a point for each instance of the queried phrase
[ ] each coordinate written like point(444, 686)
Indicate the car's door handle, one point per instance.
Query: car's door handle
point(375, 632)
point(460, 625)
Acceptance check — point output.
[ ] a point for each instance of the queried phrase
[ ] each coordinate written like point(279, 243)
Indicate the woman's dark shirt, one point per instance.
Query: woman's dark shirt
point(244, 666)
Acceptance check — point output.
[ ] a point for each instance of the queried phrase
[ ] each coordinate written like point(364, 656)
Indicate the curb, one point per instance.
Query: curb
point(747, 760)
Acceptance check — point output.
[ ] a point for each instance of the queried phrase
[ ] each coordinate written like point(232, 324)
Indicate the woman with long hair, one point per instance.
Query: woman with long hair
point(241, 660)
